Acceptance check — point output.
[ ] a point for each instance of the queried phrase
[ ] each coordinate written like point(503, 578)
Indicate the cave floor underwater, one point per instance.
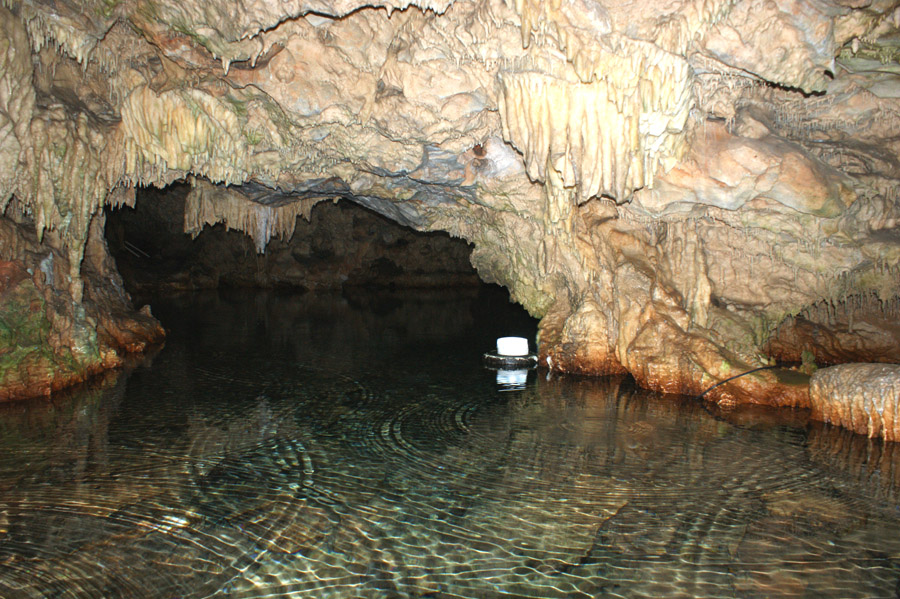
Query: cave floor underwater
point(286, 445)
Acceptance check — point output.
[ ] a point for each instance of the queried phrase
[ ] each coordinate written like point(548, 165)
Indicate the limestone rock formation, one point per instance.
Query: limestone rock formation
point(47, 340)
point(862, 397)
point(665, 185)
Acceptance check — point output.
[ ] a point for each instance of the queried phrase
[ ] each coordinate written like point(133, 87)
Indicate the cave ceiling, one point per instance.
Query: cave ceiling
point(663, 183)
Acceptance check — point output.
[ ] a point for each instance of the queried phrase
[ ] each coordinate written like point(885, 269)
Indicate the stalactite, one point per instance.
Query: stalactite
point(209, 204)
point(602, 134)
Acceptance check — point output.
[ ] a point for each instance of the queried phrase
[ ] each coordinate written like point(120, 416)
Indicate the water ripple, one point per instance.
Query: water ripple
point(281, 472)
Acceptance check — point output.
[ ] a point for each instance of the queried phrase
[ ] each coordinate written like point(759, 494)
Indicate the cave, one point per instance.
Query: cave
point(252, 254)
point(340, 246)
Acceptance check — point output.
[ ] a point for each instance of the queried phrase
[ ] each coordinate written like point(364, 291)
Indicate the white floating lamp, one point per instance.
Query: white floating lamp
point(512, 346)
point(511, 355)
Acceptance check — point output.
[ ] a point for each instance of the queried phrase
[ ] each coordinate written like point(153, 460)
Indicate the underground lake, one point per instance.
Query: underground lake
point(300, 445)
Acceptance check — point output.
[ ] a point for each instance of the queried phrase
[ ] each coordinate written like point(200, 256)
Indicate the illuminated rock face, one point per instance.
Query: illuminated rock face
point(861, 397)
point(664, 184)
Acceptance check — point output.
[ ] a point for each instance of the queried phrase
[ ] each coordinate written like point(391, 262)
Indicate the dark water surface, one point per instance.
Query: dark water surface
point(300, 446)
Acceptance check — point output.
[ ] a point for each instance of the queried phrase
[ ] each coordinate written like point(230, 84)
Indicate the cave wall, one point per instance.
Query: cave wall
point(666, 185)
point(47, 340)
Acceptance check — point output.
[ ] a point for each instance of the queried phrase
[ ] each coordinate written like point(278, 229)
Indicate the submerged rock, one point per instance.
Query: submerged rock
point(862, 397)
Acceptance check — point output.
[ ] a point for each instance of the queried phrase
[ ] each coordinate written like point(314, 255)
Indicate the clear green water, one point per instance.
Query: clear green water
point(291, 446)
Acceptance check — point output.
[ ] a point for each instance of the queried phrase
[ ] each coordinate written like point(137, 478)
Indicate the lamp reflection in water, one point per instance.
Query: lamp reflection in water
point(512, 380)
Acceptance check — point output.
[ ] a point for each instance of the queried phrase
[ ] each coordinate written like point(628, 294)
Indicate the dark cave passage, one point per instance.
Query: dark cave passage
point(343, 245)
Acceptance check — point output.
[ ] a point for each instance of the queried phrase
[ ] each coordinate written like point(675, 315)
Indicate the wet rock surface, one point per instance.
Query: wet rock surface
point(49, 341)
point(861, 397)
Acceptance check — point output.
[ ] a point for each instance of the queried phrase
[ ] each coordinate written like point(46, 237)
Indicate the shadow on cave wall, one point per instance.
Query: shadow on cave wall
point(343, 246)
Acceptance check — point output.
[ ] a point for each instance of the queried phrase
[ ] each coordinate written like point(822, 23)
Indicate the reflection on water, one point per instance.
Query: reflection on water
point(294, 446)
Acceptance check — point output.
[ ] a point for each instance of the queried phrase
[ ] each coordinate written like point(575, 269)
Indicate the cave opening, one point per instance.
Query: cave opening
point(343, 245)
point(344, 256)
